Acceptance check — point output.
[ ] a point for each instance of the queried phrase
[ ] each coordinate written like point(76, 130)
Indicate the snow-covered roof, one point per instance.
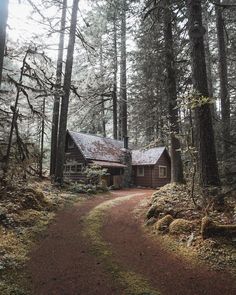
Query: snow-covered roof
point(98, 148)
point(147, 157)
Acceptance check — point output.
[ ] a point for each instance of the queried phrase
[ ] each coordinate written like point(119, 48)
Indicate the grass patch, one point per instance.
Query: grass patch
point(133, 283)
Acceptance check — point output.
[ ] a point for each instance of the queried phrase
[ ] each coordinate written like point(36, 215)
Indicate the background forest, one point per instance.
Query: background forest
point(160, 72)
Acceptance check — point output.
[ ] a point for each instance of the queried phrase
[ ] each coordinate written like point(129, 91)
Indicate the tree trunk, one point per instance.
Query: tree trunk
point(223, 73)
point(14, 115)
point(208, 167)
point(114, 90)
point(103, 119)
point(56, 105)
point(208, 57)
point(42, 140)
point(65, 98)
point(3, 25)
point(176, 161)
point(123, 78)
point(104, 134)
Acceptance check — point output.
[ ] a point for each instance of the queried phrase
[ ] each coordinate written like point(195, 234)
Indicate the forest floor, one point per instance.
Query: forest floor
point(99, 246)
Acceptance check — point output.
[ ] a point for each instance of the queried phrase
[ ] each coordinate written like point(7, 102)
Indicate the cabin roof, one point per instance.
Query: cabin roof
point(98, 148)
point(147, 157)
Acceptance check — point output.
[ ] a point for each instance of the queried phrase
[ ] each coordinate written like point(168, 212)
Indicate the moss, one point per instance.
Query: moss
point(15, 248)
point(133, 283)
point(179, 226)
point(11, 283)
point(163, 223)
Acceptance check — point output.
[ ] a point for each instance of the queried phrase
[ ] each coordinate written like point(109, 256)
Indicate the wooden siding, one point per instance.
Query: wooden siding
point(151, 176)
point(145, 180)
point(73, 156)
point(157, 180)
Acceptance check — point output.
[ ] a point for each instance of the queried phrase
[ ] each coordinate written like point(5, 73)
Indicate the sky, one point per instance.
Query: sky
point(24, 25)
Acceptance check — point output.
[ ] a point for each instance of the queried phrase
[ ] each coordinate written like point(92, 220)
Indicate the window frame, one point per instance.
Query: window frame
point(138, 171)
point(161, 167)
point(81, 167)
point(68, 168)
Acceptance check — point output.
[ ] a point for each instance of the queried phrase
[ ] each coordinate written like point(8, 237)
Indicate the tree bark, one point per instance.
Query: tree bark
point(3, 25)
point(223, 73)
point(114, 90)
point(208, 57)
point(123, 78)
point(208, 167)
point(14, 114)
point(103, 119)
point(176, 161)
point(56, 105)
point(42, 140)
point(65, 98)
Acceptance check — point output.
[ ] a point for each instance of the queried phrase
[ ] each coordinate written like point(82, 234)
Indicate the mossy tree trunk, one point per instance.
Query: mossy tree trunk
point(56, 104)
point(223, 74)
point(65, 98)
point(176, 161)
point(207, 162)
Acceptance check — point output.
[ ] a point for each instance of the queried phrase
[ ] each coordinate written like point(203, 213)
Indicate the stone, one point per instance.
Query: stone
point(151, 221)
point(181, 226)
point(163, 223)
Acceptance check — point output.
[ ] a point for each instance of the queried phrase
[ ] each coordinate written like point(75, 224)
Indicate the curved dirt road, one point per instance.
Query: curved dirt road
point(98, 248)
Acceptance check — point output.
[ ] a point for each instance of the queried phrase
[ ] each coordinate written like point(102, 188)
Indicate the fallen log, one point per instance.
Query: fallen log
point(210, 229)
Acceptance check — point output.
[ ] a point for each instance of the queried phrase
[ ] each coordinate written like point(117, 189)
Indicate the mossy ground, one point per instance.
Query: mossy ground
point(16, 245)
point(27, 226)
point(133, 283)
point(215, 253)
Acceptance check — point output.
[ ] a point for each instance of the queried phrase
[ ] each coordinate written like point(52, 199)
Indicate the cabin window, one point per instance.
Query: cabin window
point(162, 171)
point(79, 167)
point(73, 168)
point(140, 171)
point(70, 169)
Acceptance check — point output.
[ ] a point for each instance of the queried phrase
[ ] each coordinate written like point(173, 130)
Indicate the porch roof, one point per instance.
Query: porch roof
point(108, 164)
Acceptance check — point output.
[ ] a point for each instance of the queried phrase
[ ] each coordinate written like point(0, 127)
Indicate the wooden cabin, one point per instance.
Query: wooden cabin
point(150, 168)
point(86, 149)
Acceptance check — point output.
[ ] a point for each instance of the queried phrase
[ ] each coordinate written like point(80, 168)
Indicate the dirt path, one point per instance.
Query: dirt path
point(97, 247)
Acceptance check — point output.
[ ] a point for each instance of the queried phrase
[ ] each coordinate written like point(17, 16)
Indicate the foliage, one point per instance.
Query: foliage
point(92, 181)
point(94, 173)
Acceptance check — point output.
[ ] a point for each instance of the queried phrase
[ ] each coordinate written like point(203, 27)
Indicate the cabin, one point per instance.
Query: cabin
point(150, 168)
point(85, 150)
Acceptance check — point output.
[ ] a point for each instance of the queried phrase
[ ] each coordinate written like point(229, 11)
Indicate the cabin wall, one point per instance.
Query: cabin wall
point(151, 176)
point(157, 180)
point(145, 180)
point(73, 157)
